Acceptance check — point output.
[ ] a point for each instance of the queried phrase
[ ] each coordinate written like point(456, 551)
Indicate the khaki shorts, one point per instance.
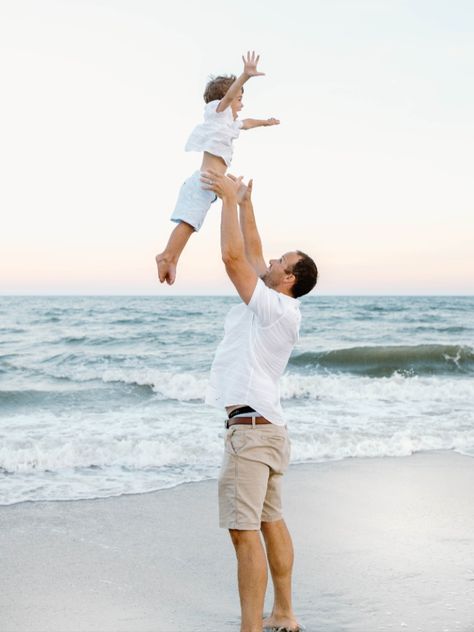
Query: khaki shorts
point(255, 458)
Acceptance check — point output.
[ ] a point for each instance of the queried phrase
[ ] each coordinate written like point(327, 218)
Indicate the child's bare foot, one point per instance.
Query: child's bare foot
point(166, 269)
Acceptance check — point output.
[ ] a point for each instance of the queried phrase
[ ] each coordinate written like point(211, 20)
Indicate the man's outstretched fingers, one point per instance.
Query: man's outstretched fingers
point(210, 173)
point(210, 177)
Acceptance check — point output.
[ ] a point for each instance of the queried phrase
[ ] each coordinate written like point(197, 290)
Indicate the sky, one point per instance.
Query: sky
point(370, 171)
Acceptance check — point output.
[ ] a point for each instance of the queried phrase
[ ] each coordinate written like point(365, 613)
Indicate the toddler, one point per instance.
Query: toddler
point(214, 137)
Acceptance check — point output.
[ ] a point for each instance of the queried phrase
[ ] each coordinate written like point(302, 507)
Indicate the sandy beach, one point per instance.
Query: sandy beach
point(381, 544)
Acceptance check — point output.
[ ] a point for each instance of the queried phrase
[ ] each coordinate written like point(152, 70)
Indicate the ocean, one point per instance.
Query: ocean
point(103, 396)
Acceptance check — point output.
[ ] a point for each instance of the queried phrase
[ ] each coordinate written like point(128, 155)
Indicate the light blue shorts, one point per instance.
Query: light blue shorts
point(193, 202)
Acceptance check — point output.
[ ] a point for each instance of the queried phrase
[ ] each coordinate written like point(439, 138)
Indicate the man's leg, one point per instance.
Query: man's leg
point(252, 577)
point(280, 558)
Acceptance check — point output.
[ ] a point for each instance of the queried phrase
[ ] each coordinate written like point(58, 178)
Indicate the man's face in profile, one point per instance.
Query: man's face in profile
point(279, 269)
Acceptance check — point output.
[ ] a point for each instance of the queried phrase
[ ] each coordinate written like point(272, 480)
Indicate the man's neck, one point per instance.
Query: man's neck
point(281, 290)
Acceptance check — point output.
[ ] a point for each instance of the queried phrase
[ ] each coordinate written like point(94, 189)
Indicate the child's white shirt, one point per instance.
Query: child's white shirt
point(216, 134)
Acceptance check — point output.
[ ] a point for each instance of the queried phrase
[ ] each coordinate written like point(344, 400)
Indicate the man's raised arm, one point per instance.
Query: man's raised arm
point(240, 271)
point(248, 225)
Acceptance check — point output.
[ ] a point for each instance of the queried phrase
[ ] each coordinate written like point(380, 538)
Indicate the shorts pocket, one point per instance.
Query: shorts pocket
point(282, 450)
point(236, 440)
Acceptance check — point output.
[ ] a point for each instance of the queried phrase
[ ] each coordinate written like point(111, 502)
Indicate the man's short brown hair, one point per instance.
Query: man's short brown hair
point(306, 274)
point(217, 87)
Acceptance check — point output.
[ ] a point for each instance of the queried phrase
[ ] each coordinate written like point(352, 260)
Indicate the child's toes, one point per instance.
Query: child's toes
point(162, 269)
point(171, 274)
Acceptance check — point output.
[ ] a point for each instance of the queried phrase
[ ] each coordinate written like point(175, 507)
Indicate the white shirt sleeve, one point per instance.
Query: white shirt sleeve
point(266, 304)
point(210, 111)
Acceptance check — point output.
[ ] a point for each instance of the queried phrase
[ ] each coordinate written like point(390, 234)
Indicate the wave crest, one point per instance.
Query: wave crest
point(179, 386)
point(383, 361)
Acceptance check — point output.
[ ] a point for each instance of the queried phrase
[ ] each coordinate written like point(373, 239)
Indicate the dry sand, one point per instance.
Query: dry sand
point(381, 544)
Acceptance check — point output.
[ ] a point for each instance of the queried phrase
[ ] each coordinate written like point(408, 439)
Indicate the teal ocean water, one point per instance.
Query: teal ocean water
point(101, 396)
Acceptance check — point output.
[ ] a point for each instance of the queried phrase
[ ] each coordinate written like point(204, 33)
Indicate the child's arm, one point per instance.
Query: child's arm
point(251, 123)
point(250, 70)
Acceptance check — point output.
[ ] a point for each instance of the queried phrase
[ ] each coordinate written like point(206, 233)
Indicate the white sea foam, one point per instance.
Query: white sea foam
point(127, 415)
point(348, 388)
point(80, 454)
point(192, 386)
point(186, 386)
point(178, 386)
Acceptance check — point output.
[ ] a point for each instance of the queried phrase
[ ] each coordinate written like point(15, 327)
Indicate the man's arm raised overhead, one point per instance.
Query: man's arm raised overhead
point(248, 225)
point(238, 268)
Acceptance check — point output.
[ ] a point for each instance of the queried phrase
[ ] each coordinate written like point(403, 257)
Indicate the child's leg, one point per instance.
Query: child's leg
point(167, 260)
point(189, 213)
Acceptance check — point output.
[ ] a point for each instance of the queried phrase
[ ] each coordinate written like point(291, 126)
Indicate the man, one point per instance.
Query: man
point(258, 340)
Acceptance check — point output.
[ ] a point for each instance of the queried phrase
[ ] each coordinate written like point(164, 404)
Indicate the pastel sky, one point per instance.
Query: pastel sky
point(370, 170)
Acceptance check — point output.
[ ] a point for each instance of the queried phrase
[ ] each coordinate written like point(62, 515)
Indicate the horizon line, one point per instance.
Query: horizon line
point(311, 295)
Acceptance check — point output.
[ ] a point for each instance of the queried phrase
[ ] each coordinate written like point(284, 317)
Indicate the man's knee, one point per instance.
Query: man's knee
point(242, 537)
point(274, 526)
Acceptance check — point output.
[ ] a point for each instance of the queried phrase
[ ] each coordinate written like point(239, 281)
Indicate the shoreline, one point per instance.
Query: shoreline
point(381, 543)
point(211, 478)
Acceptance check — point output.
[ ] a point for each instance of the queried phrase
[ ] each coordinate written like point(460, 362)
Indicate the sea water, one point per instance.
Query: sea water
point(102, 396)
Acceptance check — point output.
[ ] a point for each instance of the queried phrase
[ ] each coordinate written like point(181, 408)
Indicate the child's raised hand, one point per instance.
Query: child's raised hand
point(272, 121)
point(250, 65)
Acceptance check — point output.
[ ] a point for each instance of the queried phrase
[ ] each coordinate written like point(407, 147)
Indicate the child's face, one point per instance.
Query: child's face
point(236, 104)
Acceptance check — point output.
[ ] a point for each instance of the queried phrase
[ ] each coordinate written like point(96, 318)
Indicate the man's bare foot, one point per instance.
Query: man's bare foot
point(283, 624)
point(166, 269)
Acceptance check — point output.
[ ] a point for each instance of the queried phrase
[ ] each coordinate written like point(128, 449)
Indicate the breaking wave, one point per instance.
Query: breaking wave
point(383, 361)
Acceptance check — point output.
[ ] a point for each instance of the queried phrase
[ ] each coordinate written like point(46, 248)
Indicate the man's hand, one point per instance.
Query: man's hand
point(250, 65)
point(244, 192)
point(223, 187)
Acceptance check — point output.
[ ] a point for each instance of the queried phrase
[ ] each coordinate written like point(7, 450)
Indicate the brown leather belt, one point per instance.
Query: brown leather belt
point(247, 421)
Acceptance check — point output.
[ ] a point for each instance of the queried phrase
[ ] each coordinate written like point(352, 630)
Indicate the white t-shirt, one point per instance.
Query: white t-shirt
point(258, 340)
point(216, 134)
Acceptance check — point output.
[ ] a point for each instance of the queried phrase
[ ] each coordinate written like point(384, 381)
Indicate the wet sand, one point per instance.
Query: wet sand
point(381, 544)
